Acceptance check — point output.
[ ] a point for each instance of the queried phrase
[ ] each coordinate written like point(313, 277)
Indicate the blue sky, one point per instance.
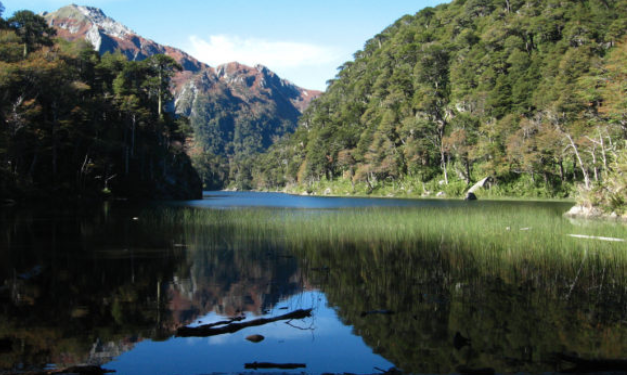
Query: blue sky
point(302, 41)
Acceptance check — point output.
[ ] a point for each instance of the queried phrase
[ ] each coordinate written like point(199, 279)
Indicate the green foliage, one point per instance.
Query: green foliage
point(469, 89)
point(75, 124)
point(234, 123)
point(32, 29)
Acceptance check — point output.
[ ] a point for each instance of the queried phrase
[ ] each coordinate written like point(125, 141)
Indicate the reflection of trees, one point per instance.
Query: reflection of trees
point(514, 325)
point(79, 287)
point(74, 281)
point(72, 284)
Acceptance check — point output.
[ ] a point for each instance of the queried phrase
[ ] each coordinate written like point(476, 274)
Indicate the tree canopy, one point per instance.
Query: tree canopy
point(522, 91)
point(77, 124)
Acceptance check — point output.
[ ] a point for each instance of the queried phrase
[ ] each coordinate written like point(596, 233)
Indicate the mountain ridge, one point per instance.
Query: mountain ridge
point(246, 107)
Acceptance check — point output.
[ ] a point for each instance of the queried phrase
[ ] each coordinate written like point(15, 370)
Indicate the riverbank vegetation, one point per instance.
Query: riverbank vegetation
point(531, 93)
point(502, 274)
point(75, 124)
point(494, 236)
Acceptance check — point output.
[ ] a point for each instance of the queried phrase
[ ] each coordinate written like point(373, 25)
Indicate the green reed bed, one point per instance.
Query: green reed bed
point(521, 242)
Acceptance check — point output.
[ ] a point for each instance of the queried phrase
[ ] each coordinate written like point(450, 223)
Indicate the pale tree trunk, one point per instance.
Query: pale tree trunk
point(584, 171)
point(443, 162)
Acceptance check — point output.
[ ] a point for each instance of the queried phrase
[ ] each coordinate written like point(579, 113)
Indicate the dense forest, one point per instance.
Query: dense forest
point(528, 92)
point(240, 112)
point(75, 124)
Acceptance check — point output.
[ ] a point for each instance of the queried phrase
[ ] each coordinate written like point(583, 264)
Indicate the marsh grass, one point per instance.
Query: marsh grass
point(514, 242)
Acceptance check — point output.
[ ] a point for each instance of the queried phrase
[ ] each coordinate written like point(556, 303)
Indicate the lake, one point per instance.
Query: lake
point(423, 286)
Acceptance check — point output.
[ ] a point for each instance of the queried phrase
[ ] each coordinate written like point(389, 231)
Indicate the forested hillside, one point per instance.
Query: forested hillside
point(529, 92)
point(236, 111)
point(75, 124)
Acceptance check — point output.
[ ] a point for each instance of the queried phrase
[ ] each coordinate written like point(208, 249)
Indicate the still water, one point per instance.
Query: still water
point(112, 286)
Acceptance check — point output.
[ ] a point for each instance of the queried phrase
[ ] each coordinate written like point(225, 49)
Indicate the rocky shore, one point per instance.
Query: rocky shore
point(592, 212)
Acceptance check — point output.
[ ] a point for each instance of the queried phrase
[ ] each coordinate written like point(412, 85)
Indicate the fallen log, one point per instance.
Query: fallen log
point(224, 322)
point(268, 365)
point(209, 330)
point(610, 239)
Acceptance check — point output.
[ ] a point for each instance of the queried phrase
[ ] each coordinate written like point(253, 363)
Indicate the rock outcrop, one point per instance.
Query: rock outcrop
point(592, 212)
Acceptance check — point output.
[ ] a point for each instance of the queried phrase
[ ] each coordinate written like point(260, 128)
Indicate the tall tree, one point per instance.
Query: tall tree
point(32, 29)
point(164, 69)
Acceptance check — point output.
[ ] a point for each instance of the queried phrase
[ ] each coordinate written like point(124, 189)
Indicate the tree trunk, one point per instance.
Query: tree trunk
point(55, 143)
point(560, 163)
point(160, 89)
point(134, 120)
point(443, 163)
point(584, 171)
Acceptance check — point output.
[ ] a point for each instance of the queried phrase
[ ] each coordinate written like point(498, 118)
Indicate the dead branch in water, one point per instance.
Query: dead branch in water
point(209, 330)
point(268, 365)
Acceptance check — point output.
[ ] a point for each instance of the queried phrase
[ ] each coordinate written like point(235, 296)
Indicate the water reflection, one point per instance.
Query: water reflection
point(111, 287)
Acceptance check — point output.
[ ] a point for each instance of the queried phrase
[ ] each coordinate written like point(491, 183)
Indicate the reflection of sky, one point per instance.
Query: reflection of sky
point(321, 342)
point(224, 199)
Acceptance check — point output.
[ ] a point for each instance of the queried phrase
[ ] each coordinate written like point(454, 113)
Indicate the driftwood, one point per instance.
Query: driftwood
point(209, 330)
point(470, 195)
point(593, 365)
point(268, 365)
point(224, 322)
point(610, 239)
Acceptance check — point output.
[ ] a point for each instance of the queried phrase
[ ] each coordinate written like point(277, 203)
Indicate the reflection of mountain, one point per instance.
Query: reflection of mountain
point(82, 288)
point(231, 277)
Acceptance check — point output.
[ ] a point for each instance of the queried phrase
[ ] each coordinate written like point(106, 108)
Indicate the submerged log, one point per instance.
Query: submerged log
point(268, 365)
point(211, 330)
point(224, 322)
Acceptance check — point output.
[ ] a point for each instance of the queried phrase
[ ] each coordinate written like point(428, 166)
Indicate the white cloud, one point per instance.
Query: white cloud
point(276, 55)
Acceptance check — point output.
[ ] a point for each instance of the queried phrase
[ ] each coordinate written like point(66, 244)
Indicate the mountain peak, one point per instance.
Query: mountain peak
point(75, 18)
point(107, 35)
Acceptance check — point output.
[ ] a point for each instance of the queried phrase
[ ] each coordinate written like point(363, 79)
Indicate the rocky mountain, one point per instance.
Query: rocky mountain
point(235, 110)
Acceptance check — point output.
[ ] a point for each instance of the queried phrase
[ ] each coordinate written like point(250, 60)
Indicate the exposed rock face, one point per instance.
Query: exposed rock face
point(238, 91)
point(106, 35)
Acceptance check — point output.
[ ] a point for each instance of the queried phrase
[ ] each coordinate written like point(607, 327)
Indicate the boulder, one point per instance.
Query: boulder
point(470, 196)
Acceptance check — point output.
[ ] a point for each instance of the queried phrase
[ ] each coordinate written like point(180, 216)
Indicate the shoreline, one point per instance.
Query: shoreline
point(593, 213)
point(414, 197)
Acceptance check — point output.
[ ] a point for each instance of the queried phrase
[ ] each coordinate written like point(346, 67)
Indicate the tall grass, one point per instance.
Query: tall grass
point(512, 241)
